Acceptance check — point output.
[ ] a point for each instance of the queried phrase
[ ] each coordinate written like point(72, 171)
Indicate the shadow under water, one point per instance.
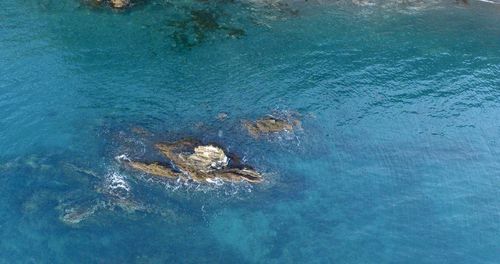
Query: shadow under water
point(194, 30)
point(192, 23)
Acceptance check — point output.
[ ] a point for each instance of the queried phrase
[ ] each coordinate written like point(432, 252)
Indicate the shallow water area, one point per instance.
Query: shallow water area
point(396, 159)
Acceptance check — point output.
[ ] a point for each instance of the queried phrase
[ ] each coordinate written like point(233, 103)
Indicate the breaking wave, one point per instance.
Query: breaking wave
point(116, 184)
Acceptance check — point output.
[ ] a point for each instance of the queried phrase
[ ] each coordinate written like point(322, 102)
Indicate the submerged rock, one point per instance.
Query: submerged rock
point(222, 116)
point(270, 124)
point(33, 162)
point(201, 24)
point(200, 163)
point(73, 214)
point(77, 214)
point(140, 131)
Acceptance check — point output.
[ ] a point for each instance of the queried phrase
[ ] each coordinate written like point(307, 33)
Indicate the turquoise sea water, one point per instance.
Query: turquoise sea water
point(398, 160)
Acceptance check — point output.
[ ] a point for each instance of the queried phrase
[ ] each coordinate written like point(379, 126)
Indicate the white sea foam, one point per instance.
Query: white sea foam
point(122, 157)
point(216, 186)
point(216, 181)
point(116, 184)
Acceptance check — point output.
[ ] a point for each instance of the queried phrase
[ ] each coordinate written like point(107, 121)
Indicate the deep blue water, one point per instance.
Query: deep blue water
point(398, 160)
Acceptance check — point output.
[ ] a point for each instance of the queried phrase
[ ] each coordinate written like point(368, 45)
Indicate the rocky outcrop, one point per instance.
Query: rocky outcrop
point(205, 163)
point(207, 158)
point(119, 4)
point(246, 174)
point(116, 4)
point(269, 125)
point(200, 163)
point(154, 169)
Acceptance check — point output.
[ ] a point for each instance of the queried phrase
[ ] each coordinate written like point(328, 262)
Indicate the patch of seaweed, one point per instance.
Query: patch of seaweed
point(194, 22)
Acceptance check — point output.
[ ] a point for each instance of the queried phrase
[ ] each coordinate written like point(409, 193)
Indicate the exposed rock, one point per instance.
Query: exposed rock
point(200, 163)
point(246, 174)
point(119, 4)
point(270, 124)
point(154, 169)
point(116, 4)
point(208, 158)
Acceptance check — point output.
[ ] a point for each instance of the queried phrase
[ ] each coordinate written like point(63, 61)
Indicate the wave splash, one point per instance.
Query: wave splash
point(117, 185)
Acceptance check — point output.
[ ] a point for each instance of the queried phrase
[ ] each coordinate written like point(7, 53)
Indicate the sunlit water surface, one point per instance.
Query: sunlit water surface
point(398, 159)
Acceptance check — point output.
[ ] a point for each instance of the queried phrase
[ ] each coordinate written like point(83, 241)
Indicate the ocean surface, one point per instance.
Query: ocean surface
point(397, 160)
